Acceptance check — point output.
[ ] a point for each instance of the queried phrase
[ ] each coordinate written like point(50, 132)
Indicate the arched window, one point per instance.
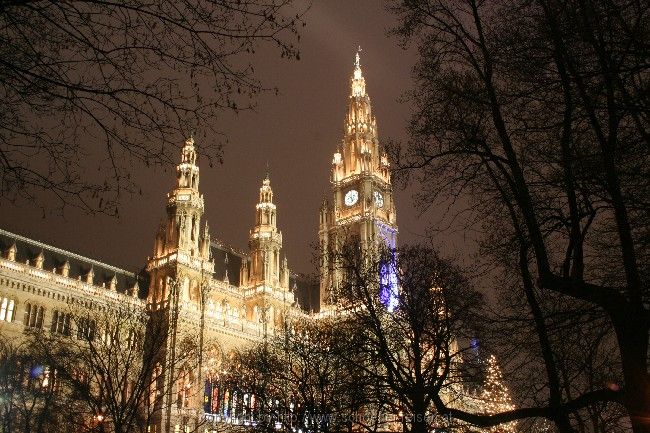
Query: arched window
point(60, 323)
point(7, 309)
point(184, 390)
point(28, 309)
point(39, 317)
point(33, 316)
point(86, 329)
point(55, 319)
point(155, 385)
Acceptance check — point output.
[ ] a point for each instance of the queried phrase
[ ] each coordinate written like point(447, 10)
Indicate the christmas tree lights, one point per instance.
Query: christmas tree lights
point(496, 396)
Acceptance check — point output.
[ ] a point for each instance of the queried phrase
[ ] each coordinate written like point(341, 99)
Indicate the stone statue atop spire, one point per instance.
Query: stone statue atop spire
point(358, 82)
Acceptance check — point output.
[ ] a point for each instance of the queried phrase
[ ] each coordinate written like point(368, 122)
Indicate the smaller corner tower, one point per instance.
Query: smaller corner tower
point(265, 241)
point(181, 249)
point(267, 275)
point(180, 273)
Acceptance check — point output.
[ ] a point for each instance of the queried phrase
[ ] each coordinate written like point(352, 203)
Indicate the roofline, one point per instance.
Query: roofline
point(236, 251)
point(67, 253)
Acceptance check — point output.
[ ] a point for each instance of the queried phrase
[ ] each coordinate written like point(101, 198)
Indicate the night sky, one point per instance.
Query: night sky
point(295, 132)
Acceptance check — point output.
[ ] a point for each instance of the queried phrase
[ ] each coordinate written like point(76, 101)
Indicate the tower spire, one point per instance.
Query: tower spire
point(362, 203)
point(359, 150)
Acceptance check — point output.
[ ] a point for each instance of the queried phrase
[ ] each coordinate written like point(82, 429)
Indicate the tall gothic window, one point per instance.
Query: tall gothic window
point(61, 323)
point(7, 309)
point(86, 329)
point(184, 390)
point(388, 284)
point(33, 316)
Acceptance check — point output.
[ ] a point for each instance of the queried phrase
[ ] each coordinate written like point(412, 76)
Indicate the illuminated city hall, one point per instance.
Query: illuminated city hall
point(230, 297)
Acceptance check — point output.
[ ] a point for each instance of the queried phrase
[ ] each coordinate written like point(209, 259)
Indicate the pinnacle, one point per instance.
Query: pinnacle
point(358, 82)
point(357, 66)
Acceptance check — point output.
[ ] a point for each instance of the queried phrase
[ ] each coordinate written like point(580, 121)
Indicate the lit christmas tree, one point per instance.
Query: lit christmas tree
point(497, 397)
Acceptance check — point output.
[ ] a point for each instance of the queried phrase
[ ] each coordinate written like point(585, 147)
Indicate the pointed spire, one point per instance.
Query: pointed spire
point(11, 253)
point(38, 261)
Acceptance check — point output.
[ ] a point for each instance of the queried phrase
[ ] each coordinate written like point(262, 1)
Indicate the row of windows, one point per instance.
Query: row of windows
point(61, 322)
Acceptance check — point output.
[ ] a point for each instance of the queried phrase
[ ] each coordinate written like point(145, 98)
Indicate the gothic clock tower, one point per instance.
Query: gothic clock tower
point(361, 192)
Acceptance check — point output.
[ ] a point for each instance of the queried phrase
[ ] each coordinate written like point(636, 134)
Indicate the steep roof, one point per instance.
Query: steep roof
point(54, 259)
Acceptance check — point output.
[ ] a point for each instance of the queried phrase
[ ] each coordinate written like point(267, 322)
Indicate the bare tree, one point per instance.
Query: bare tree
point(538, 112)
point(98, 85)
point(109, 369)
point(411, 314)
point(585, 357)
point(303, 380)
point(28, 402)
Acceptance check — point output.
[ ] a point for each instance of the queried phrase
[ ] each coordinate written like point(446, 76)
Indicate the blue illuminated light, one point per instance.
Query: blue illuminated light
point(474, 345)
point(36, 371)
point(388, 285)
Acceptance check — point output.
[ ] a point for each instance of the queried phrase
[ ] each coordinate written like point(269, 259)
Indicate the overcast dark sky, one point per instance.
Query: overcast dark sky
point(296, 132)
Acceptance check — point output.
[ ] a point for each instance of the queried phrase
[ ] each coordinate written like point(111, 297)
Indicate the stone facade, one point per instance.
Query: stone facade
point(196, 284)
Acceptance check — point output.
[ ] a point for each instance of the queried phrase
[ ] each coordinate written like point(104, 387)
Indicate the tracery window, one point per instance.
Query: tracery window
point(33, 316)
point(86, 329)
point(7, 307)
point(133, 340)
point(155, 385)
point(61, 323)
point(108, 336)
point(184, 390)
point(47, 379)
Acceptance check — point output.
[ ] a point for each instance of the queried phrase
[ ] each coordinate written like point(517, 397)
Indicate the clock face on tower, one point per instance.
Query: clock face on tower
point(379, 199)
point(351, 197)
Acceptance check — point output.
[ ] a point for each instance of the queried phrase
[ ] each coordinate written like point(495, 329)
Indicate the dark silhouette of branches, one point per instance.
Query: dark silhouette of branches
point(411, 313)
point(98, 85)
point(538, 113)
point(105, 370)
point(28, 402)
point(304, 379)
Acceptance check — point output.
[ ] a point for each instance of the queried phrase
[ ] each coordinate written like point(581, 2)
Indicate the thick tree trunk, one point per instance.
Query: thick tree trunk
point(632, 337)
point(419, 422)
point(638, 403)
